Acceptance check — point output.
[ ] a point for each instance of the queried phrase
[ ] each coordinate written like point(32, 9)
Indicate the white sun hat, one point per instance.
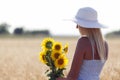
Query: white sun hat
point(87, 17)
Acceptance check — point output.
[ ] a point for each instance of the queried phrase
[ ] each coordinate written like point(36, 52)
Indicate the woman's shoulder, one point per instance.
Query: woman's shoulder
point(106, 43)
point(107, 48)
point(83, 41)
point(82, 44)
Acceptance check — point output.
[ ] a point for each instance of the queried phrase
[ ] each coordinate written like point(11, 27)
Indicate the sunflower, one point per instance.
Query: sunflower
point(66, 48)
point(55, 55)
point(57, 46)
point(61, 62)
point(47, 43)
point(42, 57)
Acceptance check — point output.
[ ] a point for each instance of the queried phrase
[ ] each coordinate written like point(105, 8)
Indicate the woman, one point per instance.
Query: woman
point(91, 51)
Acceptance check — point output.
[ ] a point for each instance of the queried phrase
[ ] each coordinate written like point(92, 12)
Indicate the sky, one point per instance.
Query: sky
point(52, 14)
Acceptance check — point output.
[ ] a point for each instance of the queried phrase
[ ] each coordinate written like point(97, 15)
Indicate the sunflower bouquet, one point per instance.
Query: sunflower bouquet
point(53, 55)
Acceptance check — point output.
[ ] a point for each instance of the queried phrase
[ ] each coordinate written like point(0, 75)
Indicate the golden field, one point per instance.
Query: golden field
point(19, 58)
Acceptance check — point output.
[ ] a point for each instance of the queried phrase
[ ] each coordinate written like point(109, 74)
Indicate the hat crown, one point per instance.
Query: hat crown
point(87, 13)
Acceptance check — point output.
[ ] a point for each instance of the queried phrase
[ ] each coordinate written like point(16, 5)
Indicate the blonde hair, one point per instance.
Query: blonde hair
point(95, 36)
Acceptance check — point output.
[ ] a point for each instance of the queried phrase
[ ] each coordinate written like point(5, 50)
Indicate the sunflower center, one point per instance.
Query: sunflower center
point(57, 47)
point(60, 61)
point(43, 56)
point(49, 44)
point(56, 55)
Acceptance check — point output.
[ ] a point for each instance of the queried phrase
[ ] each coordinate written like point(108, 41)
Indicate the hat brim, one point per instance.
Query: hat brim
point(88, 24)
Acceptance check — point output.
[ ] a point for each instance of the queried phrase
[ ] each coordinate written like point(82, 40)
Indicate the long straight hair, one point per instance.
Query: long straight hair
point(96, 38)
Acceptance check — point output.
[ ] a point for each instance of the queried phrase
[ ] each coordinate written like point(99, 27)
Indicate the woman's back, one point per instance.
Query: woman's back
point(92, 65)
point(90, 70)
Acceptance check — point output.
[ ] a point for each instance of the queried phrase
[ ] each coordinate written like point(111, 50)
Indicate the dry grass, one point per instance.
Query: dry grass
point(19, 59)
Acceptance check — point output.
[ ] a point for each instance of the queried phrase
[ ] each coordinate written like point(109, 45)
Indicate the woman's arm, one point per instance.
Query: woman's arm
point(77, 59)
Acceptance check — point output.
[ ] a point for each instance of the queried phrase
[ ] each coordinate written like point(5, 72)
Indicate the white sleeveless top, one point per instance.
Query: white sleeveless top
point(91, 69)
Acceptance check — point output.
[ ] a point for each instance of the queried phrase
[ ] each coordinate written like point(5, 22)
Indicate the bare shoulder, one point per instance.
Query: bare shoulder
point(106, 43)
point(83, 40)
point(107, 48)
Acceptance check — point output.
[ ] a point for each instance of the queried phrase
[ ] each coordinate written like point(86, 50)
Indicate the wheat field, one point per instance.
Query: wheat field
point(19, 58)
